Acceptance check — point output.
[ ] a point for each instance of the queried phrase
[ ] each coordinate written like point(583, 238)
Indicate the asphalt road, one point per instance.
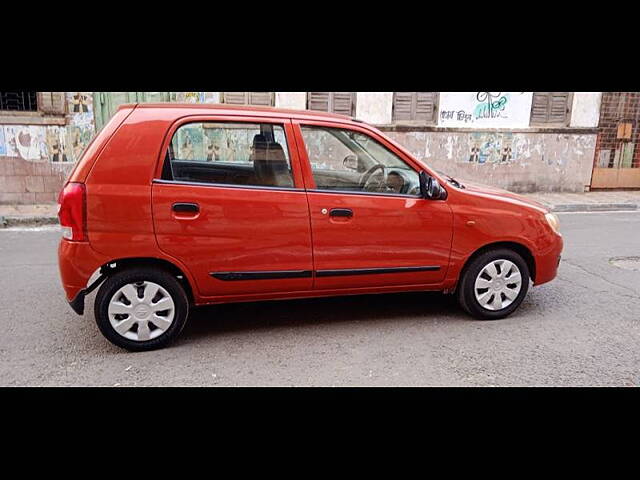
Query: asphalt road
point(581, 329)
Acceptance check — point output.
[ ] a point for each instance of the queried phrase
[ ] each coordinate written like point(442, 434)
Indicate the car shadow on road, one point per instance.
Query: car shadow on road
point(235, 317)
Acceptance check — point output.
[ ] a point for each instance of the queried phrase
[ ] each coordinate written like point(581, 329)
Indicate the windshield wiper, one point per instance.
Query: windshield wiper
point(454, 182)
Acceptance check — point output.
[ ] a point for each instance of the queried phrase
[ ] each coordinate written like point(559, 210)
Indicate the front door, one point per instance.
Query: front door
point(370, 225)
point(230, 205)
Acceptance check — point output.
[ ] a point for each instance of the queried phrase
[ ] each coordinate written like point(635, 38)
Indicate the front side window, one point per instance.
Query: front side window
point(251, 154)
point(347, 160)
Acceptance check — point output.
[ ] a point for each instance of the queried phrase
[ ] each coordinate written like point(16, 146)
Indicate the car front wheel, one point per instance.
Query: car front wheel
point(141, 309)
point(494, 284)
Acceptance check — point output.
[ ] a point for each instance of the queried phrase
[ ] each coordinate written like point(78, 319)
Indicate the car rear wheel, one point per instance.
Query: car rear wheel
point(141, 309)
point(494, 284)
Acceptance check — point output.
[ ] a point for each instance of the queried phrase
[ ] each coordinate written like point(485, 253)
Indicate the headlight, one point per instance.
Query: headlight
point(553, 221)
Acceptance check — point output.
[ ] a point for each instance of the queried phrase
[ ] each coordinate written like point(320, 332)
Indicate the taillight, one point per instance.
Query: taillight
point(73, 212)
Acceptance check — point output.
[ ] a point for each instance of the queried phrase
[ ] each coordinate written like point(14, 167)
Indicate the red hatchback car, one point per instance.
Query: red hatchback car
point(173, 206)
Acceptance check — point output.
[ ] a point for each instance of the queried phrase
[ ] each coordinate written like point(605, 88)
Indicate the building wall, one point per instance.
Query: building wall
point(557, 159)
point(293, 100)
point(585, 111)
point(546, 162)
point(617, 108)
point(38, 150)
point(374, 107)
point(25, 182)
point(33, 168)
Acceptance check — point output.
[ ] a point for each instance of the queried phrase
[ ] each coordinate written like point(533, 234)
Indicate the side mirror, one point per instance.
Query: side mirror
point(430, 188)
point(350, 162)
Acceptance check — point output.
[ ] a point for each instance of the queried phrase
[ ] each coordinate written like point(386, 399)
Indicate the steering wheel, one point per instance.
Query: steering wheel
point(368, 183)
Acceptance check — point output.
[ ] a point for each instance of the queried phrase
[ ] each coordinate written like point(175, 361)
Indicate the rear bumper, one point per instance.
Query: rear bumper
point(77, 261)
point(548, 261)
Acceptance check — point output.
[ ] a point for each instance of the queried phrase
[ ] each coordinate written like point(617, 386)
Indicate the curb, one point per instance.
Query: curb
point(27, 221)
point(593, 207)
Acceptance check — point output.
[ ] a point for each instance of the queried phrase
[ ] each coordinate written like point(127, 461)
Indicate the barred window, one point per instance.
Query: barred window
point(19, 101)
point(248, 98)
point(343, 103)
point(419, 107)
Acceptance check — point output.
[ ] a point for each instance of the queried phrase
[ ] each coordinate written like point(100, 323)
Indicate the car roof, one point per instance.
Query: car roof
point(249, 110)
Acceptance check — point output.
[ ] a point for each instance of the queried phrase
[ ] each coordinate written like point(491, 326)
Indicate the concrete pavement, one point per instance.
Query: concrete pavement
point(590, 201)
point(581, 329)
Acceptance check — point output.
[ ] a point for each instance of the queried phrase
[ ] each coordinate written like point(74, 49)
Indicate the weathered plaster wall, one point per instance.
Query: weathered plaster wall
point(520, 162)
point(374, 107)
point(585, 110)
point(294, 100)
point(36, 159)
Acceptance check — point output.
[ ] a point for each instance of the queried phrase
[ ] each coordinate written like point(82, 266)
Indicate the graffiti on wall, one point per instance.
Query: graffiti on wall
point(41, 143)
point(489, 147)
point(80, 102)
point(485, 109)
point(197, 97)
point(77, 139)
point(190, 97)
point(80, 108)
point(56, 144)
point(25, 141)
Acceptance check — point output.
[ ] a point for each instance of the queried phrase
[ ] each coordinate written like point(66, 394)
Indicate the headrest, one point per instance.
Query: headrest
point(268, 151)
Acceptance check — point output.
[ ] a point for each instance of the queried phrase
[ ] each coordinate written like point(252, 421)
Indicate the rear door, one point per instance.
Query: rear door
point(371, 227)
point(230, 204)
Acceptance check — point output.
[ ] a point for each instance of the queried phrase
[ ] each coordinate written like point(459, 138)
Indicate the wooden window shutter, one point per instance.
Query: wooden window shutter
point(414, 106)
point(261, 98)
point(235, 98)
point(52, 102)
point(342, 103)
point(425, 106)
point(403, 103)
point(248, 98)
point(318, 101)
point(550, 108)
point(559, 107)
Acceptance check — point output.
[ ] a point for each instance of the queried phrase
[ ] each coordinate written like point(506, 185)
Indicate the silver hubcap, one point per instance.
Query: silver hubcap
point(498, 284)
point(141, 311)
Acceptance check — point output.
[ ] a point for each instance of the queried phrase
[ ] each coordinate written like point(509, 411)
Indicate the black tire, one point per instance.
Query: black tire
point(466, 294)
point(118, 280)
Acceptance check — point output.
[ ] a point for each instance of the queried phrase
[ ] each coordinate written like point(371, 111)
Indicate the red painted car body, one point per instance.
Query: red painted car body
point(129, 218)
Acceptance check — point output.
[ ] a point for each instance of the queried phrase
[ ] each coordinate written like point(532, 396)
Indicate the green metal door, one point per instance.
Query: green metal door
point(105, 104)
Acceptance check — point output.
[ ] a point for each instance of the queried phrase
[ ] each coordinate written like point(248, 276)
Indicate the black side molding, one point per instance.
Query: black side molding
point(264, 275)
point(271, 275)
point(371, 271)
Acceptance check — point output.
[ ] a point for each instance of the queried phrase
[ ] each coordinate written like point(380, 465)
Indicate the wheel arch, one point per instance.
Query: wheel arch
point(120, 264)
point(519, 248)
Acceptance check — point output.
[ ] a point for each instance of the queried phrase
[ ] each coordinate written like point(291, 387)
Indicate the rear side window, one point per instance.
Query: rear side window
point(250, 154)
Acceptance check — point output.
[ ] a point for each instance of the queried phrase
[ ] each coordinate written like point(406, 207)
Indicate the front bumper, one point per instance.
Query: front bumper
point(548, 261)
